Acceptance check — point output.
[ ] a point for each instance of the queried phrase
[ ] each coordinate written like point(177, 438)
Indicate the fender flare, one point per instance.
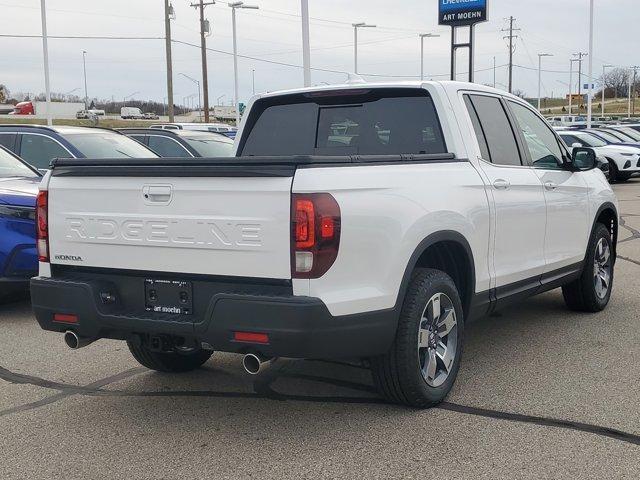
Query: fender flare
point(602, 208)
point(429, 241)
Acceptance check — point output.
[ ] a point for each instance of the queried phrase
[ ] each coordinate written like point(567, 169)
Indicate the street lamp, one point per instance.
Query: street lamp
point(590, 89)
point(604, 72)
point(571, 82)
point(540, 55)
point(306, 49)
point(197, 82)
point(234, 6)
point(422, 37)
point(220, 98)
point(356, 26)
point(84, 67)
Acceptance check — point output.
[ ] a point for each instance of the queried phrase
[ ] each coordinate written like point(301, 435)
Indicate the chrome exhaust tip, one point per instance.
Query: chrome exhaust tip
point(75, 342)
point(254, 363)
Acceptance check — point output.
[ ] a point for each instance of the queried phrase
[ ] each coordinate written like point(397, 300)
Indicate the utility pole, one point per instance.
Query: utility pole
point(203, 45)
point(306, 48)
point(580, 55)
point(511, 36)
point(168, 15)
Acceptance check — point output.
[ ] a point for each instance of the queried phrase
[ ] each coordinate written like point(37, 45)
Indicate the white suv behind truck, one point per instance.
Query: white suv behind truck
point(356, 221)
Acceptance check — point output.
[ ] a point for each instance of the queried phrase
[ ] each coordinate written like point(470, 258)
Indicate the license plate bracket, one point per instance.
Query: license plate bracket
point(168, 296)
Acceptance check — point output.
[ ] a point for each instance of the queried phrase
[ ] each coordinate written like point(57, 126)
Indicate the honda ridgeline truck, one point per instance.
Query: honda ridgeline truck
point(363, 220)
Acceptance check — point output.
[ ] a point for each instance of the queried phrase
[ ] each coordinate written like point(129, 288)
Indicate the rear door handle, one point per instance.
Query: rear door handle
point(501, 184)
point(550, 185)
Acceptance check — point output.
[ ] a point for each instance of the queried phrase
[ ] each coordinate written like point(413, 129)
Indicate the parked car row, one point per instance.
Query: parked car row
point(27, 150)
point(619, 145)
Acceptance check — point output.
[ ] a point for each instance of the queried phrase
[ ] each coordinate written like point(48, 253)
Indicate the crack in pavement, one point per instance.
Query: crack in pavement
point(637, 262)
point(635, 234)
point(263, 390)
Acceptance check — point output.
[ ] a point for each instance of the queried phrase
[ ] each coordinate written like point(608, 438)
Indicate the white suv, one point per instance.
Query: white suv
point(624, 160)
point(364, 220)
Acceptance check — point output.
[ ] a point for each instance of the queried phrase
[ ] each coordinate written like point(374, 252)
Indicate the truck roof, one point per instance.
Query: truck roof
point(450, 86)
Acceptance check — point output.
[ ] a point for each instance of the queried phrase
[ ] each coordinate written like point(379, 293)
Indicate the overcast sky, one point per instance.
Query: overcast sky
point(121, 67)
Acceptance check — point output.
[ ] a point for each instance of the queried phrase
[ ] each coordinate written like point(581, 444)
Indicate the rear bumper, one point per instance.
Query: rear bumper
point(298, 327)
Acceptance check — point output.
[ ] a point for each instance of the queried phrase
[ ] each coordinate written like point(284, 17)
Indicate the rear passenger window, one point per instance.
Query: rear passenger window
point(477, 128)
point(496, 130)
point(8, 140)
point(167, 147)
point(366, 123)
point(38, 150)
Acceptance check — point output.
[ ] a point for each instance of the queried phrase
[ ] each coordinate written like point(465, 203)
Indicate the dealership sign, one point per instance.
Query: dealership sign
point(461, 12)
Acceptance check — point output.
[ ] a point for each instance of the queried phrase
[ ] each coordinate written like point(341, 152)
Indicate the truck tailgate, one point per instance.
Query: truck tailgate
point(212, 225)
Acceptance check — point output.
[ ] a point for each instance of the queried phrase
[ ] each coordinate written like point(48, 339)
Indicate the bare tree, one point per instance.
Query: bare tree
point(616, 82)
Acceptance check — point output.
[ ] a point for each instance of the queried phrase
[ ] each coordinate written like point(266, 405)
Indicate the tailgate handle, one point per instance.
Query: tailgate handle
point(157, 193)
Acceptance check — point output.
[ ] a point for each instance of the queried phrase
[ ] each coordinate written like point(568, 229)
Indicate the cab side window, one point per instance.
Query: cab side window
point(540, 141)
point(493, 130)
point(39, 150)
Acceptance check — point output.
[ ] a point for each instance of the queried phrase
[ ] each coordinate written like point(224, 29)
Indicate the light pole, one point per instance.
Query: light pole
point(197, 82)
point(604, 86)
point(169, 14)
point(45, 51)
point(306, 48)
point(540, 55)
point(84, 67)
point(253, 81)
point(234, 6)
point(590, 89)
point(571, 82)
point(422, 37)
point(356, 26)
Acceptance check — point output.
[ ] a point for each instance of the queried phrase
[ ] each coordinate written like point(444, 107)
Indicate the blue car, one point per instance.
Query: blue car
point(18, 255)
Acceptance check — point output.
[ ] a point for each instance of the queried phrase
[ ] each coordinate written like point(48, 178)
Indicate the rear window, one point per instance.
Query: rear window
point(378, 122)
point(106, 144)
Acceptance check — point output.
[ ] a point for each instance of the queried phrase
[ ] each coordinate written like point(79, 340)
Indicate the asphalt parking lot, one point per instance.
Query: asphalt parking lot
point(542, 393)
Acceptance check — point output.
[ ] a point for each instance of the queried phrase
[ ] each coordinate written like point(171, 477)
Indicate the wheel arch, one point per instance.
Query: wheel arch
point(450, 252)
point(607, 215)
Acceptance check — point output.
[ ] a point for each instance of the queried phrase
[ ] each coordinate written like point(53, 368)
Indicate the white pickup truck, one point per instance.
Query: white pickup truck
point(356, 221)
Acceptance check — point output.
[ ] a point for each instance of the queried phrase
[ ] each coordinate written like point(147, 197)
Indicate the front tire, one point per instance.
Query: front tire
point(170, 362)
point(423, 362)
point(592, 291)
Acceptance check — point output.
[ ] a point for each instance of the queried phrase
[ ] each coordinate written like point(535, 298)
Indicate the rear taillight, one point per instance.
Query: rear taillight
point(42, 225)
point(315, 234)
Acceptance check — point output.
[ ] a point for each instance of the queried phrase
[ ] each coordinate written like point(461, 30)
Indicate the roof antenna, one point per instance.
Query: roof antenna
point(354, 79)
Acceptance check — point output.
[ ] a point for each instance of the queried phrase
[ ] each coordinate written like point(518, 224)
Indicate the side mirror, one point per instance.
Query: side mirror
point(576, 145)
point(584, 159)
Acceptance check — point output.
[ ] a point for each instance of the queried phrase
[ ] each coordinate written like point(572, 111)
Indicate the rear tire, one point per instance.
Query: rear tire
point(171, 362)
point(613, 171)
point(430, 329)
point(592, 291)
